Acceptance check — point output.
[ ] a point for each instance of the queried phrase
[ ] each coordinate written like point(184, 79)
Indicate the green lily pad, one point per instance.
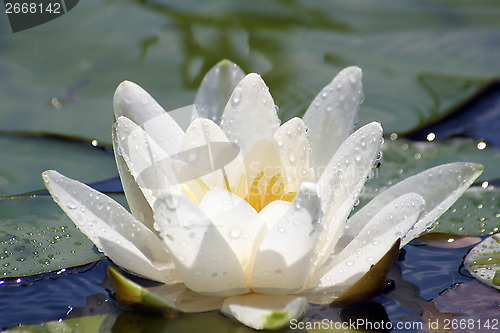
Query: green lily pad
point(476, 213)
point(25, 157)
point(403, 158)
point(445, 54)
point(483, 261)
point(36, 237)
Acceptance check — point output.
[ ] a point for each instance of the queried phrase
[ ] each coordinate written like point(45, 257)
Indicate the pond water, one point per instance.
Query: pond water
point(422, 273)
point(428, 68)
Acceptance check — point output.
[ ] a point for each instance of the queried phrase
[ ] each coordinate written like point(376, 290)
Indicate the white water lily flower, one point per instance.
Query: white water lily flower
point(227, 215)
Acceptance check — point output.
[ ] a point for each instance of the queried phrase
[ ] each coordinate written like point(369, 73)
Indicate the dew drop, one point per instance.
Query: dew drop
point(71, 205)
point(235, 232)
point(237, 96)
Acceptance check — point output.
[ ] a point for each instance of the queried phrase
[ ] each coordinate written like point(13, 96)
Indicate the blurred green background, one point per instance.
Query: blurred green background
point(421, 59)
point(423, 63)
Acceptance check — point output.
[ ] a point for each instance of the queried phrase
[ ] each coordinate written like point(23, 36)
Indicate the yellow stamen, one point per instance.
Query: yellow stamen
point(270, 195)
point(289, 196)
point(254, 195)
point(203, 185)
point(226, 180)
point(190, 194)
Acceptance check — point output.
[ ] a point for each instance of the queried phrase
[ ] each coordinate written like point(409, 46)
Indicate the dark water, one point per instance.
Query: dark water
point(421, 274)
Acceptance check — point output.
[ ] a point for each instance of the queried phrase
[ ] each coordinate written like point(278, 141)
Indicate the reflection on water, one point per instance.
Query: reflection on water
point(421, 274)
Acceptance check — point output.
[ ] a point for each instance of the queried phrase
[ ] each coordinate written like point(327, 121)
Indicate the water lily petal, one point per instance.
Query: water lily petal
point(250, 114)
point(112, 228)
point(284, 258)
point(273, 212)
point(291, 142)
point(210, 160)
point(135, 103)
point(265, 311)
point(372, 242)
point(215, 90)
point(331, 116)
point(342, 182)
point(137, 203)
point(237, 222)
point(201, 254)
point(440, 187)
point(148, 163)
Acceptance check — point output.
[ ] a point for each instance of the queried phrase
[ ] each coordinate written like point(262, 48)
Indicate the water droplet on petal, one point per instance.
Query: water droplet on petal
point(237, 96)
point(235, 231)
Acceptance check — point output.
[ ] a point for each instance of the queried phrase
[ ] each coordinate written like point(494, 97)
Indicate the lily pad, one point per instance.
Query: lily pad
point(403, 158)
point(25, 157)
point(446, 54)
point(36, 236)
point(476, 213)
point(467, 307)
point(448, 241)
point(483, 261)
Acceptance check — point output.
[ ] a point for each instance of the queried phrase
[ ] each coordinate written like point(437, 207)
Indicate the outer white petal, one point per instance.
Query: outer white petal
point(250, 115)
point(135, 103)
point(345, 266)
point(291, 142)
point(265, 311)
point(342, 182)
point(201, 254)
point(215, 90)
point(237, 222)
point(331, 116)
point(137, 203)
point(440, 187)
point(148, 163)
point(284, 259)
point(113, 230)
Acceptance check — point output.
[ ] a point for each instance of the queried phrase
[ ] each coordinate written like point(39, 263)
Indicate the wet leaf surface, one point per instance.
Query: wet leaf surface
point(36, 236)
point(483, 261)
point(476, 213)
point(403, 158)
point(25, 157)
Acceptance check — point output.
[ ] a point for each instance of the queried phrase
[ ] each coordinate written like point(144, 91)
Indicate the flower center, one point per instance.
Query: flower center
point(263, 190)
point(261, 194)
